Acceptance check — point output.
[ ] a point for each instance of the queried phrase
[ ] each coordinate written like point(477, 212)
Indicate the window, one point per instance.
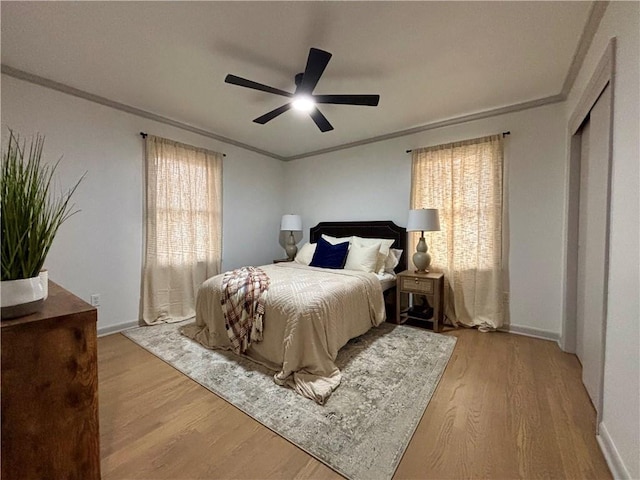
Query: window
point(183, 212)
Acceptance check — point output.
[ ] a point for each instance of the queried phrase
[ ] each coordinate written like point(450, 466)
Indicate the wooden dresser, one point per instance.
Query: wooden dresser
point(50, 391)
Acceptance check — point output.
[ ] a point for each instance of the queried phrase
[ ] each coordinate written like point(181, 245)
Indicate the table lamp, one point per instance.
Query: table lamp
point(423, 220)
point(291, 223)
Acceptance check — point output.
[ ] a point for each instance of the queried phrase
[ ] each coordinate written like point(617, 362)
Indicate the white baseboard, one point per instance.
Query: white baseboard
point(611, 455)
point(531, 332)
point(117, 328)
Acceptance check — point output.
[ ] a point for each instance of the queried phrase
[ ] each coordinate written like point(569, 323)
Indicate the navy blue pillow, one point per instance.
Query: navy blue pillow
point(330, 256)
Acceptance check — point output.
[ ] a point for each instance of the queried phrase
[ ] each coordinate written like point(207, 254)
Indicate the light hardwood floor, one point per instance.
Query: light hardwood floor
point(507, 406)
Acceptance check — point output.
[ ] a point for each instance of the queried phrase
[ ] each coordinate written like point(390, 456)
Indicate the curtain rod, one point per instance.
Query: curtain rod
point(504, 134)
point(144, 135)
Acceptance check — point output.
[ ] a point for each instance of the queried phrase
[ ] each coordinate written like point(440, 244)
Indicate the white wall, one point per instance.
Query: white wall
point(620, 427)
point(372, 182)
point(100, 249)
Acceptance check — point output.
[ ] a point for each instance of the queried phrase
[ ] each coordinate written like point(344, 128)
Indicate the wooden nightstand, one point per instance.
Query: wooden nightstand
point(282, 260)
point(429, 286)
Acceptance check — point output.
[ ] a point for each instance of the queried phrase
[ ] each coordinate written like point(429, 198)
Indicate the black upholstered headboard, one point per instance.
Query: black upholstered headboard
point(366, 229)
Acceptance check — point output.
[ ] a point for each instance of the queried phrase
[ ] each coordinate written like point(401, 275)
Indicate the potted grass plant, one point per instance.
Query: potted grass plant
point(31, 213)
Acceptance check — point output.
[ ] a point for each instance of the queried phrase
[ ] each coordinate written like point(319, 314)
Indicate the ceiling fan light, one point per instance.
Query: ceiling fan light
point(303, 103)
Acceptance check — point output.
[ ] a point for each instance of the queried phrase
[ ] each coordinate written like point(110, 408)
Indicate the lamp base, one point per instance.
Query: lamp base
point(422, 259)
point(291, 248)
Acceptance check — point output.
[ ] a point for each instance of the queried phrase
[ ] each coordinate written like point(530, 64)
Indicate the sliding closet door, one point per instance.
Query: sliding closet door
point(593, 245)
point(582, 254)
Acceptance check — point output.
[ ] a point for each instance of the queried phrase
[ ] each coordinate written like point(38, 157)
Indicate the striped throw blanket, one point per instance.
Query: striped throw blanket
point(243, 305)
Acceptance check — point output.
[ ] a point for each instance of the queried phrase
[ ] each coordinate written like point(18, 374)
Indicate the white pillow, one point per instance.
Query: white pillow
point(337, 240)
point(363, 258)
point(385, 245)
point(392, 260)
point(305, 254)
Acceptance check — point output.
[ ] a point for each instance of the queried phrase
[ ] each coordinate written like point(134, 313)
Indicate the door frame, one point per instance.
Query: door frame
point(601, 77)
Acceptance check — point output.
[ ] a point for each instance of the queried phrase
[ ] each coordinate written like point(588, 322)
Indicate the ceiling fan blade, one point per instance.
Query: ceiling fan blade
point(321, 121)
point(316, 63)
point(273, 114)
point(243, 82)
point(367, 100)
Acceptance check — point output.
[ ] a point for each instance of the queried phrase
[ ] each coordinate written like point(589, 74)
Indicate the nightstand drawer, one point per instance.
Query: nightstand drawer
point(416, 285)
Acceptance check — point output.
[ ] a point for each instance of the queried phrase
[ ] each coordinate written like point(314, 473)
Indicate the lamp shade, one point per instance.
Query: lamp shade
point(423, 220)
point(291, 223)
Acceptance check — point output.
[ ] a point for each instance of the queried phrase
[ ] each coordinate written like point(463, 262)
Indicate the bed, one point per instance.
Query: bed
point(309, 312)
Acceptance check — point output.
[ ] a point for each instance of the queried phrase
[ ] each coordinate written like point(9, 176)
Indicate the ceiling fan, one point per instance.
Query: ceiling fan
point(303, 97)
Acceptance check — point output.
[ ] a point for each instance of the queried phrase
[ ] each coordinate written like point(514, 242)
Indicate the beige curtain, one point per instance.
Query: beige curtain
point(183, 227)
point(463, 180)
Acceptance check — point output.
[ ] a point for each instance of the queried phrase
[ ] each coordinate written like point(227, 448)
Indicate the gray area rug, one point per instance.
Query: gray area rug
point(388, 377)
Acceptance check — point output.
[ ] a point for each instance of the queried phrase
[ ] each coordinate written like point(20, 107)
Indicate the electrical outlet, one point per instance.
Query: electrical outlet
point(95, 299)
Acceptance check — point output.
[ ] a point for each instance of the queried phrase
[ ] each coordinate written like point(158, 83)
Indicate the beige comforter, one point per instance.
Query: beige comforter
point(310, 313)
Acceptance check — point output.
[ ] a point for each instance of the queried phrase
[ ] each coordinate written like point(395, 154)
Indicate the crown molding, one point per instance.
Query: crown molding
point(61, 87)
point(443, 123)
point(591, 27)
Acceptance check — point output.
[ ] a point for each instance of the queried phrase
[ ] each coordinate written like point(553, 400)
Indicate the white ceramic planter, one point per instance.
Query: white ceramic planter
point(21, 297)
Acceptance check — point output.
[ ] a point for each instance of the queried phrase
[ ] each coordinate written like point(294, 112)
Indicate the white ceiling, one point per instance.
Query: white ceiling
point(428, 61)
